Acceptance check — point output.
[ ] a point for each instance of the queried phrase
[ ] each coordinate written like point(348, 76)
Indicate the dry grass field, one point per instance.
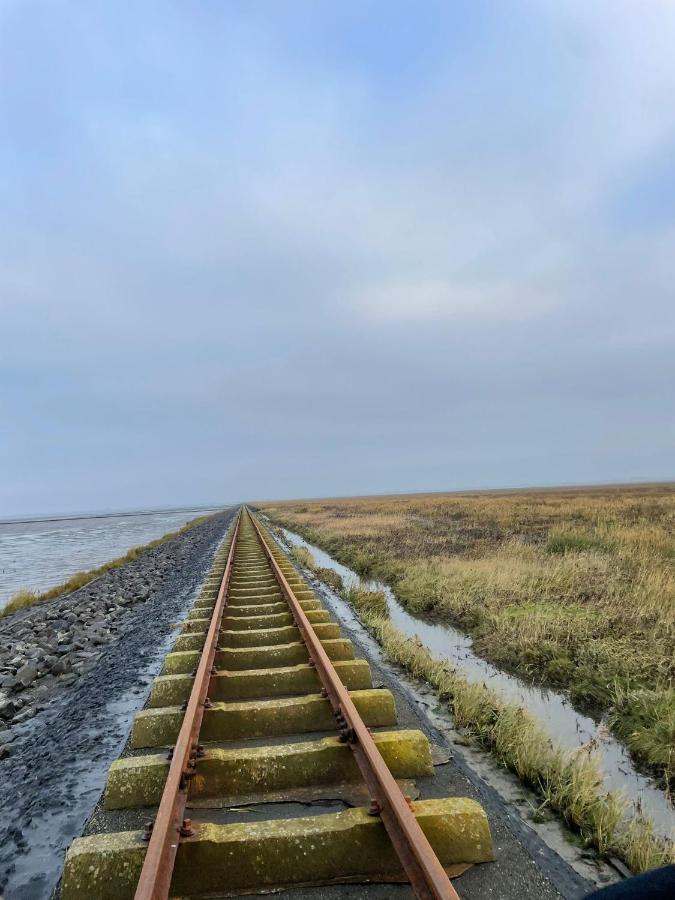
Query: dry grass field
point(571, 587)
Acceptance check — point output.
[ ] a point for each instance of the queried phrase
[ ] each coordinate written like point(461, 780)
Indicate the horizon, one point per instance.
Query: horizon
point(197, 507)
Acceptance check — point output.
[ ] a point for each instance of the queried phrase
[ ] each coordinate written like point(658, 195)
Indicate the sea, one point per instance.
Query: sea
point(38, 553)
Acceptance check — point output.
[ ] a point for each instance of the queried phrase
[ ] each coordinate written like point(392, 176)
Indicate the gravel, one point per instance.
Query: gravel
point(72, 673)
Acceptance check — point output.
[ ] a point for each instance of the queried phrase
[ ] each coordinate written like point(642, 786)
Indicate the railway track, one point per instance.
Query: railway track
point(260, 707)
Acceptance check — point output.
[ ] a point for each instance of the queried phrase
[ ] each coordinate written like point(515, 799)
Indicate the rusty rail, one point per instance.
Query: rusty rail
point(169, 825)
point(427, 876)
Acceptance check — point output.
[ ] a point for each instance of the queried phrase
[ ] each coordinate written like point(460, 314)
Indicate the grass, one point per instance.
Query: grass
point(25, 598)
point(562, 541)
point(568, 782)
point(329, 577)
point(369, 603)
point(572, 588)
point(645, 720)
point(303, 557)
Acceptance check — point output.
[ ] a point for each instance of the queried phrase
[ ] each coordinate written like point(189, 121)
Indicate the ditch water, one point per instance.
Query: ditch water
point(37, 554)
point(571, 728)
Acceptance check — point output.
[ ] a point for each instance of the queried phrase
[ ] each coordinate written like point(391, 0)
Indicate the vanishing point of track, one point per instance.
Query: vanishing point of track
point(257, 667)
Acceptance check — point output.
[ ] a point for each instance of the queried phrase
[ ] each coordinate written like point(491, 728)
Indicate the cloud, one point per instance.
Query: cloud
point(438, 300)
point(330, 256)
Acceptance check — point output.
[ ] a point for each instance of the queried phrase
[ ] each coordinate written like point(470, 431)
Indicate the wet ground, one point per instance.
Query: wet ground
point(568, 726)
point(526, 866)
point(50, 787)
point(51, 782)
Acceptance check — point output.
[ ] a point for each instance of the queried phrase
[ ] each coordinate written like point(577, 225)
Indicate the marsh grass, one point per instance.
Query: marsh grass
point(303, 557)
point(330, 577)
point(25, 598)
point(573, 588)
point(573, 542)
point(568, 782)
point(645, 720)
point(20, 600)
point(369, 603)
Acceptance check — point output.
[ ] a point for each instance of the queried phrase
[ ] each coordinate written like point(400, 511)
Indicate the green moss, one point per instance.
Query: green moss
point(236, 858)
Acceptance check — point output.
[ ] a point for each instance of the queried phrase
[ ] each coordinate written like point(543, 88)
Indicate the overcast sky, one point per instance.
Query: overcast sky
point(261, 249)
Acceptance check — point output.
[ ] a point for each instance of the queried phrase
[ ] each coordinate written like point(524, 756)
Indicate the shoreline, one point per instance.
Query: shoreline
point(77, 516)
point(24, 596)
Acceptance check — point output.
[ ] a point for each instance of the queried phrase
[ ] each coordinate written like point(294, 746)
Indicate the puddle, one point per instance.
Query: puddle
point(571, 728)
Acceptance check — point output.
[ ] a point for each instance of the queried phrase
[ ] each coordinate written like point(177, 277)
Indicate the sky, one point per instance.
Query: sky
point(265, 250)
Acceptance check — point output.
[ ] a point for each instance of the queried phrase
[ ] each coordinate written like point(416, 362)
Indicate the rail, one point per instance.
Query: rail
point(427, 876)
point(170, 825)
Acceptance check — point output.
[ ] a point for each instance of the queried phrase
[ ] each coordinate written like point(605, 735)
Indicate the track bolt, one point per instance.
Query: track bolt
point(200, 751)
point(375, 809)
point(184, 705)
point(324, 692)
point(147, 830)
point(207, 703)
point(186, 829)
point(312, 664)
point(169, 754)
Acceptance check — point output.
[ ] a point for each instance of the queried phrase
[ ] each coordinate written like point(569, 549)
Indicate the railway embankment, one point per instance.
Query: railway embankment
point(278, 787)
point(72, 672)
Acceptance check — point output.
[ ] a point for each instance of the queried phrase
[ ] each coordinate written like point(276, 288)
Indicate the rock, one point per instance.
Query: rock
point(24, 715)
point(27, 674)
point(7, 707)
point(60, 667)
point(6, 736)
point(8, 681)
point(4, 751)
